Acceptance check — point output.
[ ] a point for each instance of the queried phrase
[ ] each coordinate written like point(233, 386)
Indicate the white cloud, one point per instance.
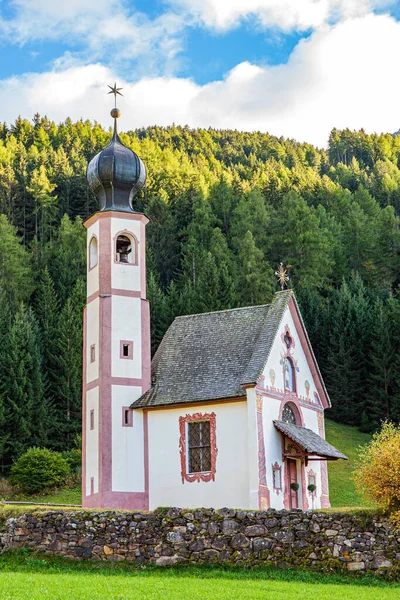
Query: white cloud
point(98, 29)
point(285, 14)
point(343, 75)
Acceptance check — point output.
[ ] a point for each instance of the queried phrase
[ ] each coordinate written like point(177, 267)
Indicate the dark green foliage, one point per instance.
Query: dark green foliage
point(39, 468)
point(225, 208)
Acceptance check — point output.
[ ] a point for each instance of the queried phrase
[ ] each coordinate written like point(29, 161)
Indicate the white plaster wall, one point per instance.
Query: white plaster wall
point(273, 447)
point(304, 372)
point(126, 325)
point(125, 277)
point(92, 440)
point(271, 408)
point(92, 337)
point(252, 436)
point(230, 488)
point(127, 442)
point(93, 275)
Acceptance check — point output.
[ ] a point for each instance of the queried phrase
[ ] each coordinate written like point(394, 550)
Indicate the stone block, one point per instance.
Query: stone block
point(356, 566)
point(255, 531)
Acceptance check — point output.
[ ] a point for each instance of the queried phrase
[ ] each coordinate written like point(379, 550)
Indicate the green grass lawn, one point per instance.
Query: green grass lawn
point(347, 439)
point(68, 495)
point(29, 577)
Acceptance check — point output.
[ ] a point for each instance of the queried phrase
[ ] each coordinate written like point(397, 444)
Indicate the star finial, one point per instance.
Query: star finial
point(282, 275)
point(115, 91)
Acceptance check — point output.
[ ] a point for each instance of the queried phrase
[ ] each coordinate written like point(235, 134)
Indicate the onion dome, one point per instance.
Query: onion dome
point(116, 174)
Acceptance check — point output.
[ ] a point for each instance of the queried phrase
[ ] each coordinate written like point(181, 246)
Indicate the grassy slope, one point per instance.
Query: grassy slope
point(341, 486)
point(29, 577)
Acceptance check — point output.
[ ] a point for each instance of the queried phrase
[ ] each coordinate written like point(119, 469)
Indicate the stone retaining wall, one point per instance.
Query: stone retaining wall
point(171, 536)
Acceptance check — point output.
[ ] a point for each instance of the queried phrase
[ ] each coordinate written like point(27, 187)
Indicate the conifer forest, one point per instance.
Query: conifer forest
point(225, 209)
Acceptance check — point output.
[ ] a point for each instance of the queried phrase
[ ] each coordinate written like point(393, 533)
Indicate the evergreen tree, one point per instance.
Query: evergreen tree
point(68, 401)
point(27, 411)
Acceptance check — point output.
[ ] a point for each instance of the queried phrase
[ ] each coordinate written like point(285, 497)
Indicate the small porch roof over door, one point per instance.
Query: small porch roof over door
point(310, 442)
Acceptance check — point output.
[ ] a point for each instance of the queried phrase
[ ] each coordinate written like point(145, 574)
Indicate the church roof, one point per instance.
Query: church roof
point(310, 441)
point(213, 355)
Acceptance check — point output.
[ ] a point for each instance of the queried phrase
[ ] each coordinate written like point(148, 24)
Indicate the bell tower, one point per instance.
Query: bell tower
point(116, 344)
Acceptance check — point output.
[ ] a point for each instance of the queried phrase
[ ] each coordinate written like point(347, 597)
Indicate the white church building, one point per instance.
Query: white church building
point(230, 411)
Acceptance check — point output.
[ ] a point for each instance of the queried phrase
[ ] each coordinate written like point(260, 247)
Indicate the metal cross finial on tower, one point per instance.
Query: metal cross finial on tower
point(282, 275)
point(115, 91)
point(115, 112)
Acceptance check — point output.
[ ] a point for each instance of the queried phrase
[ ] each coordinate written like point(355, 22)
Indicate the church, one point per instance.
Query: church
point(230, 411)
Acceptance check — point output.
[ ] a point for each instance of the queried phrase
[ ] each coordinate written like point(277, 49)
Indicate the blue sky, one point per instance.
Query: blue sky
point(290, 67)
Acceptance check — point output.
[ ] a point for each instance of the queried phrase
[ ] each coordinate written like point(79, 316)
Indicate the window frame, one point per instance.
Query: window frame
point(122, 344)
point(127, 410)
point(135, 248)
point(91, 263)
point(275, 469)
point(205, 476)
point(289, 360)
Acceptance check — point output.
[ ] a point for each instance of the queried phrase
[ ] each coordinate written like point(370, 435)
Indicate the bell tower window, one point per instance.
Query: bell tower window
point(93, 252)
point(125, 249)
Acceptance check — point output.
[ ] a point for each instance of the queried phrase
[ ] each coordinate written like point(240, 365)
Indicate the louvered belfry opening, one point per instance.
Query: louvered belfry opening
point(199, 447)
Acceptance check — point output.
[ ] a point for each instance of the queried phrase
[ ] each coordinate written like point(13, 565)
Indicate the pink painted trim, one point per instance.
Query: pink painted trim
point(206, 476)
point(142, 259)
point(146, 459)
point(93, 384)
point(146, 345)
point(291, 399)
point(128, 343)
point(92, 297)
point(135, 245)
point(84, 408)
point(92, 419)
point(264, 500)
point(129, 411)
point(127, 293)
point(99, 216)
point(92, 353)
point(286, 331)
point(126, 381)
point(93, 237)
point(308, 352)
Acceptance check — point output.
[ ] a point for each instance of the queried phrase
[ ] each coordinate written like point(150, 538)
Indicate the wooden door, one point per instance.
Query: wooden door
point(292, 478)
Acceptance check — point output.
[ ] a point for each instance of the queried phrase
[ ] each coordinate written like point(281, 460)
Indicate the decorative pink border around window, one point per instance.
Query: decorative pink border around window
point(286, 332)
point(91, 420)
point(276, 467)
point(206, 476)
point(92, 353)
point(130, 411)
point(121, 349)
point(135, 243)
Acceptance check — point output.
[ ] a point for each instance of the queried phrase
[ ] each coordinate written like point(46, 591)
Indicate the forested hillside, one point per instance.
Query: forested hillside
point(226, 208)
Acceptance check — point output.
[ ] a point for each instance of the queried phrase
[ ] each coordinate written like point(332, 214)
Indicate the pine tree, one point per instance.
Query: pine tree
point(47, 310)
point(27, 411)
point(255, 276)
point(68, 401)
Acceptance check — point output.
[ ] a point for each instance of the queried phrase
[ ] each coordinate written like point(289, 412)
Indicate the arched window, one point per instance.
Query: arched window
point(289, 375)
point(125, 249)
point(93, 252)
point(288, 415)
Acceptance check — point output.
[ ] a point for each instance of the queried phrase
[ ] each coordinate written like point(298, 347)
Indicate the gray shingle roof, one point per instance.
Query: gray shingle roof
point(211, 355)
point(309, 440)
